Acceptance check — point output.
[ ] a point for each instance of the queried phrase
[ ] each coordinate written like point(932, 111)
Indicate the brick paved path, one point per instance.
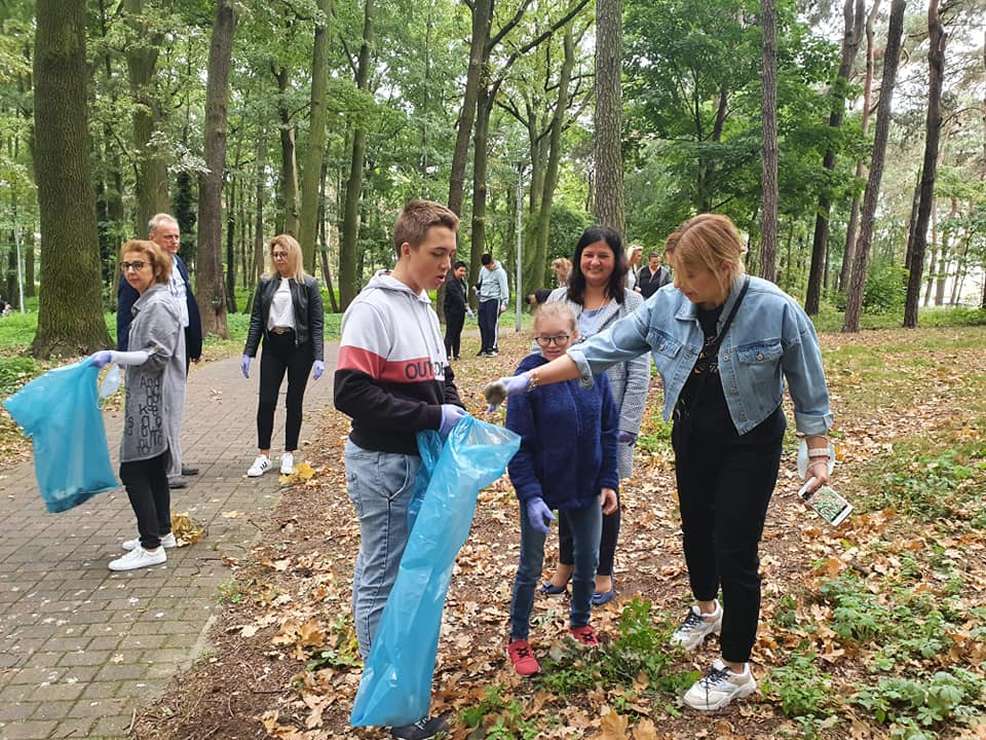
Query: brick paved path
point(81, 647)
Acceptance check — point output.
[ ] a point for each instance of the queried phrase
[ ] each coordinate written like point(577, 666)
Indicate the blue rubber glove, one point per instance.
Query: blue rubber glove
point(451, 415)
point(102, 358)
point(500, 390)
point(627, 438)
point(539, 515)
point(245, 365)
point(319, 369)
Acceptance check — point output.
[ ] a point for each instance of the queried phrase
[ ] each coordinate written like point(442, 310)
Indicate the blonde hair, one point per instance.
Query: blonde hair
point(159, 260)
point(555, 310)
point(634, 249)
point(564, 266)
point(710, 242)
point(295, 259)
point(417, 217)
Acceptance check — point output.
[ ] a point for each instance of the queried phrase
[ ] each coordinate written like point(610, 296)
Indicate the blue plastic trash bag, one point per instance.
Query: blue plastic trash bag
point(396, 684)
point(60, 413)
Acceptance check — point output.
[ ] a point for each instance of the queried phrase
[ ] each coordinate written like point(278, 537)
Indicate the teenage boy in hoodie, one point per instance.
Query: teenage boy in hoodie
point(393, 379)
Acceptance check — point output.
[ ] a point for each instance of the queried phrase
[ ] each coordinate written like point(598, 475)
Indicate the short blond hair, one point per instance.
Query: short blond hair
point(709, 241)
point(417, 217)
point(555, 310)
point(159, 260)
point(295, 258)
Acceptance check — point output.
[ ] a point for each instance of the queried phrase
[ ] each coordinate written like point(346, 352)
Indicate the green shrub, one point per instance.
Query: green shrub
point(15, 371)
point(801, 689)
point(912, 703)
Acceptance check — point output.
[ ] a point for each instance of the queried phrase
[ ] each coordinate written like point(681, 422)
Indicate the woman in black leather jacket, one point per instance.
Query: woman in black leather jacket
point(287, 313)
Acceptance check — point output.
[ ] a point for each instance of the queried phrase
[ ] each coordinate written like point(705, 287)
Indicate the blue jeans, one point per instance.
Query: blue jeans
point(380, 485)
point(586, 524)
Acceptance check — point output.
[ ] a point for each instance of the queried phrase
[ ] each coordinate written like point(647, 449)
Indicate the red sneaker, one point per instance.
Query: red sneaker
point(523, 659)
point(585, 636)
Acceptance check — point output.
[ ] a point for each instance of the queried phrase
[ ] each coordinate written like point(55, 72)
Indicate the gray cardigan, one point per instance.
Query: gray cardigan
point(629, 380)
point(155, 390)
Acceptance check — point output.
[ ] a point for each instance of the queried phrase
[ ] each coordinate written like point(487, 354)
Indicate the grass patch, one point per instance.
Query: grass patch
point(830, 319)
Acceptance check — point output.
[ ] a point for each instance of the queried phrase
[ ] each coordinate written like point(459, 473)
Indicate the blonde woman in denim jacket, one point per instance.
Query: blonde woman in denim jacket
point(728, 424)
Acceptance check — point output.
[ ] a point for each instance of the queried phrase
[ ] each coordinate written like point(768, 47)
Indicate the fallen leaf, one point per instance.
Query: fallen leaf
point(613, 725)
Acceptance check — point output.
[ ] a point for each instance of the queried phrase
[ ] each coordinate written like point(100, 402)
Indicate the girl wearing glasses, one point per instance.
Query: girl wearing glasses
point(566, 461)
point(287, 314)
point(597, 297)
point(155, 396)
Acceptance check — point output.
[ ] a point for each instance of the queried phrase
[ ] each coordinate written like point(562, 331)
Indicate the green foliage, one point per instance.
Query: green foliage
point(500, 719)
point(912, 704)
point(885, 290)
point(801, 688)
point(342, 649)
point(15, 371)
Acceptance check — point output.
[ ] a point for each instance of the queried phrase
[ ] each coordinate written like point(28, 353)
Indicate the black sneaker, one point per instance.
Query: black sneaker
point(423, 729)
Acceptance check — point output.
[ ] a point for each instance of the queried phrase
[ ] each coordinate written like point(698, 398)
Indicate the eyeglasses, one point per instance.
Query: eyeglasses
point(557, 340)
point(279, 255)
point(136, 266)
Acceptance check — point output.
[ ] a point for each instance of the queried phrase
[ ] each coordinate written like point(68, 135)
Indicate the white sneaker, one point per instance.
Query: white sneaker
point(696, 627)
point(260, 466)
point(139, 558)
point(287, 463)
point(719, 687)
point(168, 541)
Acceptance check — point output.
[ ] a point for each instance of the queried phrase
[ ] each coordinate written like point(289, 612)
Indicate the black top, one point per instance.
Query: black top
point(455, 296)
point(704, 397)
point(649, 285)
point(309, 316)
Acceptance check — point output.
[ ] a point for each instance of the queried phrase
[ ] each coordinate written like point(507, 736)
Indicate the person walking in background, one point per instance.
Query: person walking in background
point(724, 344)
point(288, 315)
point(652, 276)
point(456, 307)
point(597, 298)
point(633, 266)
point(155, 396)
point(493, 297)
point(163, 230)
point(562, 267)
point(566, 461)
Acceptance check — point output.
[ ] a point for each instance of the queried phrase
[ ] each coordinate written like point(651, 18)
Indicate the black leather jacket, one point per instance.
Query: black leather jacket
point(309, 317)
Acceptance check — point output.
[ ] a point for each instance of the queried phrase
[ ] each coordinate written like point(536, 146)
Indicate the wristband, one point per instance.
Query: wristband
point(532, 380)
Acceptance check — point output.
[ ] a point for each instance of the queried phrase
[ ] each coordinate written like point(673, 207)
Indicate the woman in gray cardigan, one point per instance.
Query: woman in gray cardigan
point(597, 297)
point(155, 395)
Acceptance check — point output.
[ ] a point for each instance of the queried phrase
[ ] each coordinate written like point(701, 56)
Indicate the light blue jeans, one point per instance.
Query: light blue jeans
point(586, 524)
point(380, 485)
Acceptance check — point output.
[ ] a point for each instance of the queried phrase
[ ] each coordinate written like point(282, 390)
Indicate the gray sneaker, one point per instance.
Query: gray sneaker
point(696, 627)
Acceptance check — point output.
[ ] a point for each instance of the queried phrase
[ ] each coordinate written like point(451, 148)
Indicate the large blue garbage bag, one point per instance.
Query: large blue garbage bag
point(59, 411)
point(396, 684)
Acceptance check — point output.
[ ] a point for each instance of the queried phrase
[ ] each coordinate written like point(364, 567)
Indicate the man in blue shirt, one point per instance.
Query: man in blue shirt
point(163, 230)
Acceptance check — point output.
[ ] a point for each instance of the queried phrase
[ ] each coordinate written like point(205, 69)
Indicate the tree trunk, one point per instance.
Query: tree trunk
point(851, 36)
point(323, 249)
point(70, 313)
point(350, 274)
point(311, 173)
point(482, 18)
point(912, 221)
point(28, 246)
point(209, 277)
point(891, 59)
point(484, 108)
point(768, 21)
point(608, 121)
point(936, 72)
point(551, 172)
point(851, 229)
point(152, 160)
point(934, 254)
point(287, 214)
point(230, 243)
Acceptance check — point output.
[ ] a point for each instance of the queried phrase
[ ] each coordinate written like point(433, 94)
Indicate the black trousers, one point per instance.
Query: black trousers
point(150, 497)
point(489, 315)
point(725, 482)
point(453, 332)
point(280, 356)
point(607, 541)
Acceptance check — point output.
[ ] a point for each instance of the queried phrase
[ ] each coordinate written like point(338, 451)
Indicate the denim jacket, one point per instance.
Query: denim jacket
point(771, 338)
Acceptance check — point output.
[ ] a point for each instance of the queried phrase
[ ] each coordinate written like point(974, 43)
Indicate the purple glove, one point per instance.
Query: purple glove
point(319, 369)
point(451, 415)
point(539, 515)
point(102, 358)
point(627, 438)
point(245, 365)
point(500, 390)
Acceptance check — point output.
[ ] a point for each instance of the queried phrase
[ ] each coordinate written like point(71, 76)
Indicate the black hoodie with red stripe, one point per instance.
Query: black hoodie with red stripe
point(393, 375)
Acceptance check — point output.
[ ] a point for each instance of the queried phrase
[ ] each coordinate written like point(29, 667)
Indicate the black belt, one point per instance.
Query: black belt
point(281, 330)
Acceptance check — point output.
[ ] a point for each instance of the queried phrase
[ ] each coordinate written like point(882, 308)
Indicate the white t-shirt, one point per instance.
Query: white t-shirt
point(179, 290)
point(281, 309)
